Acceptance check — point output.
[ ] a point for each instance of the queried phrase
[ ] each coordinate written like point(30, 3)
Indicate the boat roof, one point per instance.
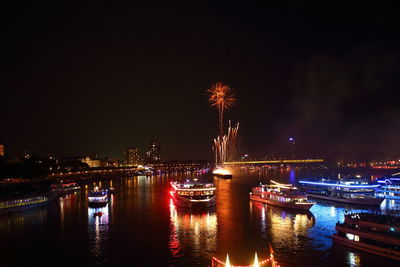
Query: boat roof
point(192, 184)
point(279, 185)
point(391, 179)
point(350, 183)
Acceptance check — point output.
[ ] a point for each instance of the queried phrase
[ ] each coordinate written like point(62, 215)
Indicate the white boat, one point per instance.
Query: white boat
point(193, 194)
point(281, 195)
point(98, 196)
point(349, 191)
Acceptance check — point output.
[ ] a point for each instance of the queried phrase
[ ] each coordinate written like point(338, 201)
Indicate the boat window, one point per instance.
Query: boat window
point(350, 236)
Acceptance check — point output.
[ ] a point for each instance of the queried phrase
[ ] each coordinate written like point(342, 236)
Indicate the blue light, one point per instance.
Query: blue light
point(340, 185)
point(292, 176)
point(291, 138)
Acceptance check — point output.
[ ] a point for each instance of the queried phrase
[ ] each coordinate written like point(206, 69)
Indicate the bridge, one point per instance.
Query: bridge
point(128, 171)
point(283, 161)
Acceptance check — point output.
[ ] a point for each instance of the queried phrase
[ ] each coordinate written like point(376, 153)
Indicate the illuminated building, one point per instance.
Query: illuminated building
point(132, 156)
point(153, 154)
point(1, 150)
point(92, 163)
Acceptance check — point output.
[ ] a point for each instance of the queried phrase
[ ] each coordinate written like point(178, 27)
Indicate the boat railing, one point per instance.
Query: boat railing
point(365, 229)
point(375, 217)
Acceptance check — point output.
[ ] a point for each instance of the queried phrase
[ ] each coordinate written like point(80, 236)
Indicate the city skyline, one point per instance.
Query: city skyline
point(99, 79)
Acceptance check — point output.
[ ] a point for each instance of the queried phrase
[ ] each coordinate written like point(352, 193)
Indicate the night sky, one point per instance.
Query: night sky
point(105, 76)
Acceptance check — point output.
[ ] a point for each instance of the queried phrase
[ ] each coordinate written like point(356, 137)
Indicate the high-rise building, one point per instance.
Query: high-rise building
point(132, 156)
point(1, 150)
point(153, 153)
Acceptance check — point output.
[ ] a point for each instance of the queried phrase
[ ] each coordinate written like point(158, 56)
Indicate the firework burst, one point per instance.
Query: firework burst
point(221, 97)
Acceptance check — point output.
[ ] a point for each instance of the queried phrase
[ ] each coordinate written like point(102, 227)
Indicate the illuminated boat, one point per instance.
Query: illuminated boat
point(222, 173)
point(193, 194)
point(67, 187)
point(390, 187)
point(371, 232)
point(18, 204)
point(281, 195)
point(349, 191)
point(215, 262)
point(98, 197)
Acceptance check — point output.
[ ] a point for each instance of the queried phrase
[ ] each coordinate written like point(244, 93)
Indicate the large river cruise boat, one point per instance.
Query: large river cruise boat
point(281, 195)
point(390, 187)
point(349, 191)
point(22, 203)
point(371, 232)
point(193, 194)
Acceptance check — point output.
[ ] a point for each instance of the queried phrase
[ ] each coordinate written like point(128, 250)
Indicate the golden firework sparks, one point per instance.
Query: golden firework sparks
point(221, 96)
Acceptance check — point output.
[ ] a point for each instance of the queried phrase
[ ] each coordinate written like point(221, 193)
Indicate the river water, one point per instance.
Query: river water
point(142, 227)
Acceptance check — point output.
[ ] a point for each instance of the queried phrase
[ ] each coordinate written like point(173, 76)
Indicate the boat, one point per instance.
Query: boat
point(390, 187)
point(65, 187)
point(216, 262)
point(193, 194)
point(281, 195)
point(350, 191)
point(22, 203)
point(98, 196)
point(371, 232)
point(222, 173)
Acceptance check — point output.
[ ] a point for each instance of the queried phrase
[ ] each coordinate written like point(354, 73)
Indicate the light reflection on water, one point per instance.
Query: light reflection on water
point(192, 232)
point(99, 226)
point(286, 230)
point(141, 219)
point(23, 219)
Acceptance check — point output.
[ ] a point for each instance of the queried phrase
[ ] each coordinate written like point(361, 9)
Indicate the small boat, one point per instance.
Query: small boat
point(98, 196)
point(371, 232)
point(222, 173)
point(281, 195)
point(193, 194)
point(22, 203)
point(350, 191)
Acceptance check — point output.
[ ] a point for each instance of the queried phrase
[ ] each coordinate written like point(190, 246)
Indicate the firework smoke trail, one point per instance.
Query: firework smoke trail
point(225, 146)
point(221, 96)
point(232, 144)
